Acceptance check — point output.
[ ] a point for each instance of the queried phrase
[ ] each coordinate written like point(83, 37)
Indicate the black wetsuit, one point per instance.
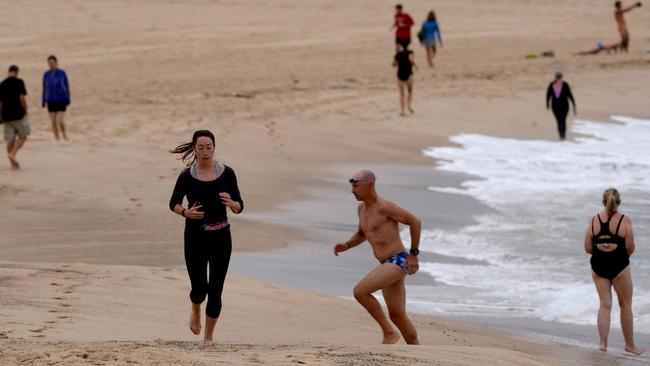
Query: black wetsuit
point(404, 66)
point(560, 106)
point(608, 264)
point(203, 247)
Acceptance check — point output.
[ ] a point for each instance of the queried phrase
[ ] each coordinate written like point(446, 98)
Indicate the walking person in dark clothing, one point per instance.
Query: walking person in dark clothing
point(210, 187)
point(13, 114)
point(404, 61)
point(557, 97)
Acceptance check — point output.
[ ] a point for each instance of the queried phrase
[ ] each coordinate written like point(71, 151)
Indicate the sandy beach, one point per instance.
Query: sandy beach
point(300, 95)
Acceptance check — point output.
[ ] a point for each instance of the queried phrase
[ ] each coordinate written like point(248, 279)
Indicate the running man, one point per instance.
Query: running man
point(402, 25)
point(622, 27)
point(13, 112)
point(56, 95)
point(379, 221)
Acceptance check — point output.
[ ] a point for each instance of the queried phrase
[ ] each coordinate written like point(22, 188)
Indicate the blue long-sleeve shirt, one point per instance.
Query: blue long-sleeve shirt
point(431, 31)
point(56, 89)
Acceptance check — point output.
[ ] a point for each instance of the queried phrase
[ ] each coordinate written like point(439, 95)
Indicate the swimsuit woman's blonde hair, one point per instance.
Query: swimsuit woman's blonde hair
point(611, 200)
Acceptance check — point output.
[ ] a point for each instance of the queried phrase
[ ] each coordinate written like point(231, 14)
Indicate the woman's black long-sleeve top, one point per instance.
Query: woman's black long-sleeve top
point(563, 101)
point(207, 193)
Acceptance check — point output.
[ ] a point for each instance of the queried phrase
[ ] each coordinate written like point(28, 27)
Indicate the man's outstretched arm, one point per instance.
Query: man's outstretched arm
point(356, 239)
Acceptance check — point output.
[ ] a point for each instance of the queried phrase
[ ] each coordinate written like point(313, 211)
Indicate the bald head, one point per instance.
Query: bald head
point(363, 184)
point(363, 176)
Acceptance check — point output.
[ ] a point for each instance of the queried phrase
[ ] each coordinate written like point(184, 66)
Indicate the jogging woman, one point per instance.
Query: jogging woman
point(210, 187)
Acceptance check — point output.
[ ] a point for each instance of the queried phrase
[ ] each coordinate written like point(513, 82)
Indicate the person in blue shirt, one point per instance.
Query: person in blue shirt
point(56, 95)
point(430, 36)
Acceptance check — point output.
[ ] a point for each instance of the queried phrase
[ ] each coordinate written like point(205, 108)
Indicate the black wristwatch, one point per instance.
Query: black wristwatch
point(414, 252)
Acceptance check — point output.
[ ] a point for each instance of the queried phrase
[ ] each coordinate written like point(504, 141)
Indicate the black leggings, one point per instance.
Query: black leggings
point(560, 116)
point(203, 248)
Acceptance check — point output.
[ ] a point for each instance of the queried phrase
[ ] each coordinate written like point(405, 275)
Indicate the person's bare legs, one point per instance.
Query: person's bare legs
point(195, 319)
point(395, 297)
point(401, 86)
point(430, 56)
point(433, 54)
point(210, 323)
point(61, 123)
point(604, 288)
point(55, 127)
point(12, 159)
point(623, 287)
point(409, 85)
point(13, 151)
point(380, 277)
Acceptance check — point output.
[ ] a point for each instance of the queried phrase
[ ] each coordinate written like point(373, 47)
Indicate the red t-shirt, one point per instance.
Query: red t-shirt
point(404, 22)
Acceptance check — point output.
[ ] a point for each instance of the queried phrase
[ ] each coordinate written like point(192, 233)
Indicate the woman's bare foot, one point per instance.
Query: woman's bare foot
point(195, 321)
point(390, 338)
point(637, 351)
point(208, 342)
point(411, 110)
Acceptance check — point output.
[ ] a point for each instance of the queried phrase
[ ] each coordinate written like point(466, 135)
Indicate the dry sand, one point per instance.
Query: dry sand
point(72, 314)
point(292, 89)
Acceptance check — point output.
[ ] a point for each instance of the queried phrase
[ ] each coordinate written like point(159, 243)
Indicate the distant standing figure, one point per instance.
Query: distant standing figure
point(56, 95)
point(622, 26)
point(403, 23)
point(405, 62)
point(13, 112)
point(431, 36)
point(210, 188)
point(558, 96)
point(610, 241)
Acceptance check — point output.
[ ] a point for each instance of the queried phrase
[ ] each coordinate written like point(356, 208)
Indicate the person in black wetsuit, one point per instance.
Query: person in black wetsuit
point(557, 96)
point(210, 187)
point(405, 62)
point(610, 241)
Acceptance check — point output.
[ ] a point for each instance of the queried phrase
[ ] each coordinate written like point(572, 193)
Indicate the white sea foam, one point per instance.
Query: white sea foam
point(528, 257)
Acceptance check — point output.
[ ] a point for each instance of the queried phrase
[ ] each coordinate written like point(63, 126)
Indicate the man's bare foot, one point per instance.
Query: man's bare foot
point(208, 342)
point(390, 338)
point(195, 322)
point(14, 162)
point(603, 348)
point(637, 351)
point(402, 114)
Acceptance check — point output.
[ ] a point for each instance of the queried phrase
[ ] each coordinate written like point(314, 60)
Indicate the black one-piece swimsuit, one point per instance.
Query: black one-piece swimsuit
point(608, 264)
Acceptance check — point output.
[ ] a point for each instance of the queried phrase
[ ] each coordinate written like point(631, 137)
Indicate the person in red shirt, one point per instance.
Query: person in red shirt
point(403, 23)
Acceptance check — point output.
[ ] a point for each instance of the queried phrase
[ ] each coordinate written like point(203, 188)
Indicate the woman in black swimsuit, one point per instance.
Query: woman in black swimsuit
point(610, 241)
point(405, 62)
point(210, 187)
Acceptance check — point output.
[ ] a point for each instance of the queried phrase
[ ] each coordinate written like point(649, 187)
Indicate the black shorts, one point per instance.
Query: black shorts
point(405, 42)
point(59, 107)
point(404, 76)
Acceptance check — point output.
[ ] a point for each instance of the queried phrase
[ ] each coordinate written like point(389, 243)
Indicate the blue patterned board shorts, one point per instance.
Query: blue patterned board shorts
point(398, 259)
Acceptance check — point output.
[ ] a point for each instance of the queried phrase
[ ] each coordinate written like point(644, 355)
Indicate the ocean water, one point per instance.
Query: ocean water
point(526, 258)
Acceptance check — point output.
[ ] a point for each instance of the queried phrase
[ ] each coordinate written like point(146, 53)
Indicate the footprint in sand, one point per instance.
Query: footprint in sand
point(55, 284)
